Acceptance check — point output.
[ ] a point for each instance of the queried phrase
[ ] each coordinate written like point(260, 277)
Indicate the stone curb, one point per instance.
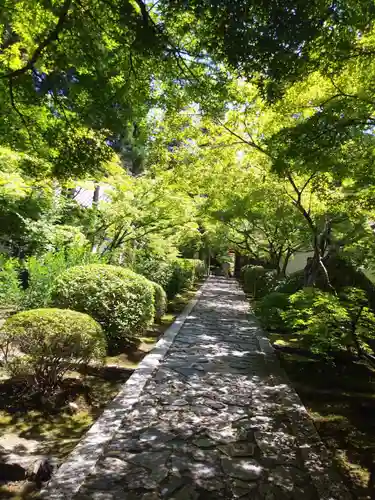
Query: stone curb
point(325, 478)
point(82, 460)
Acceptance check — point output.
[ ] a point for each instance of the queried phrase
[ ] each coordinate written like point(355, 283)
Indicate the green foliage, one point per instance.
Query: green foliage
point(269, 311)
point(45, 236)
point(146, 214)
point(35, 217)
point(155, 269)
point(70, 89)
point(354, 299)
point(321, 318)
point(43, 344)
point(261, 222)
point(160, 301)
point(291, 284)
point(326, 322)
point(119, 299)
point(10, 288)
point(23, 201)
point(257, 280)
point(78, 83)
point(345, 275)
point(277, 43)
point(42, 274)
point(44, 270)
point(174, 275)
point(200, 268)
point(183, 276)
point(362, 318)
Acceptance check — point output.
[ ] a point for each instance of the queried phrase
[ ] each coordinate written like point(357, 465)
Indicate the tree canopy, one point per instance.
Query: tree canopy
point(253, 120)
point(156, 139)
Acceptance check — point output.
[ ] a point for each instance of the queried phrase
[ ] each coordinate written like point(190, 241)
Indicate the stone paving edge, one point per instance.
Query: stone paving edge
point(70, 476)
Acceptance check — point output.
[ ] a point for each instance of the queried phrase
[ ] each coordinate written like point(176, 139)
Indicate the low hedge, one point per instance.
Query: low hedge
point(157, 270)
point(119, 299)
point(185, 271)
point(173, 275)
point(43, 344)
point(257, 280)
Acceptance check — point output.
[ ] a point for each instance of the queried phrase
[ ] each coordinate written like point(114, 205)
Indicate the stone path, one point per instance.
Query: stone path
point(217, 420)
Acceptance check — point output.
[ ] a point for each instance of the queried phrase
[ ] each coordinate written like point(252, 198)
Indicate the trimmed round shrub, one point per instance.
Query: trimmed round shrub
point(43, 344)
point(269, 311)
point(174, 275)
point(160, 301)
point(257, 280)
point(119, 299)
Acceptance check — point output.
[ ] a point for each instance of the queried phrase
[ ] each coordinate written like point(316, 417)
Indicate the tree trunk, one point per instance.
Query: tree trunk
point(312, 269)
point(315, 267)
point(285, 263)
point(354, 332)
point(96, 195)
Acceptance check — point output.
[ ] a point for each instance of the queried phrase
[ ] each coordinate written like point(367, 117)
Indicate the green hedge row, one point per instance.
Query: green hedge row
point(174, 276)
point(99, 307)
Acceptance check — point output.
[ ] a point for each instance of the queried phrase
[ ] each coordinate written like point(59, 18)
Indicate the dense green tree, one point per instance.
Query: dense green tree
point(274, 42)
point(138, 208)
point(237, 169)
point(78, 77)
point(263, 224)
point(91, 77)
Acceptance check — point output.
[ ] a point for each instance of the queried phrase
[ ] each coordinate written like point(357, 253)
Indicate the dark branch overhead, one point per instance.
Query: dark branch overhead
point(50, 38)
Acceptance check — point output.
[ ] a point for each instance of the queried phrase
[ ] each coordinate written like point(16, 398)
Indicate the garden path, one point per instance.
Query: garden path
point(217, 420)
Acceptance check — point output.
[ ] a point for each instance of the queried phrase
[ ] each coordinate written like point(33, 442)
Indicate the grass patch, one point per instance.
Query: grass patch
point(340, 398)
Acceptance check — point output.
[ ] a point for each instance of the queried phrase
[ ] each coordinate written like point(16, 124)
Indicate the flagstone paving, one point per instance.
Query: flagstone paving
point(218, 420)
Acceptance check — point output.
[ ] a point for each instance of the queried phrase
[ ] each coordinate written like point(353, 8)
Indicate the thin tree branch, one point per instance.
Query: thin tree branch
point(222, 145)
point(181, 62)
point(153, 5)
point(13, 103)
point(308, 182)
point(144, 13)
point(341, 93)
point(51, 37)
point(243, 140)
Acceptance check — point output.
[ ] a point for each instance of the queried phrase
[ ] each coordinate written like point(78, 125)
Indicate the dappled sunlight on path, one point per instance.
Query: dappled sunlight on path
point(217, 420)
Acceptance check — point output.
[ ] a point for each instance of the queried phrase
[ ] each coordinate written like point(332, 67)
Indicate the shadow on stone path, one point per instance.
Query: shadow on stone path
point(216, 421)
